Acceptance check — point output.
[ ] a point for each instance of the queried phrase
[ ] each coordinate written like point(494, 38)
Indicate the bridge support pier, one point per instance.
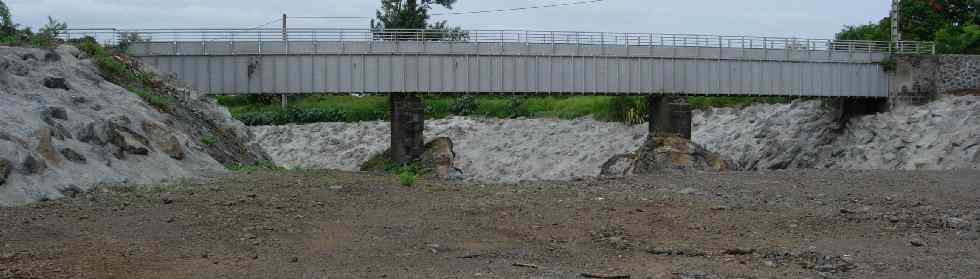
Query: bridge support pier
point(669, 116)
point(407, 124)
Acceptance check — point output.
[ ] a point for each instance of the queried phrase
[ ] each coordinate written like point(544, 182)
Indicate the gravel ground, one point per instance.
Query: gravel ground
point(333, 224)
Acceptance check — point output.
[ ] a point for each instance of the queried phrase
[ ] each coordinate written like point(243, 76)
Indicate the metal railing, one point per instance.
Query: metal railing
point(111, 36)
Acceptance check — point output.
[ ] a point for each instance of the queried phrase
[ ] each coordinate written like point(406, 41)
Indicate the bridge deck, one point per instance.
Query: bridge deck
point(513, 62)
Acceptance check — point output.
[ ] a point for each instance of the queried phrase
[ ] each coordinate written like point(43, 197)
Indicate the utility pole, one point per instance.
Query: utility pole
point(285, 46)
point(896, 20)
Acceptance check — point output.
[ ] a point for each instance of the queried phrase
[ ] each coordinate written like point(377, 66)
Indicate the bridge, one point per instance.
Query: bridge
point(405, 63)
point(344, 61)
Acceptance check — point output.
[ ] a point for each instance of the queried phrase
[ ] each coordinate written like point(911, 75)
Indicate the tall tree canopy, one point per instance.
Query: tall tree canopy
point(6, 22)
point(952, 24)
point(407, 14)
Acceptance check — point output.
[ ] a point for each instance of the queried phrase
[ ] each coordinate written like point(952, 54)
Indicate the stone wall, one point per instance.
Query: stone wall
point(920, 78)
point(959, 74)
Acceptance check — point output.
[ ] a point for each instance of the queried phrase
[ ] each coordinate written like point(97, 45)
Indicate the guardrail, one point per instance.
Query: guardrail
point(111, 36)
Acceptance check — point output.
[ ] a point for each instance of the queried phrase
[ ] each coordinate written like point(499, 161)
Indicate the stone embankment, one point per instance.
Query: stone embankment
point(944, 134)
point(64, 129)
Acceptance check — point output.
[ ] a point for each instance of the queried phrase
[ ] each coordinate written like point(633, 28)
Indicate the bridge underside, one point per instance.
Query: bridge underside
point(575, 71)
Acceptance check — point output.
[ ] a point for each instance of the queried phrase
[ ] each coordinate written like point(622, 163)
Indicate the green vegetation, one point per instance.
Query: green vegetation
point(113, 68)
point(254, 110)
point(208, 140)
point(952, 24)
point(407, 178)
point(11, 34)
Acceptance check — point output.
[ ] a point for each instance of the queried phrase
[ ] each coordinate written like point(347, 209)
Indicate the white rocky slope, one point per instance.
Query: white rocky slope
point(942, 135)
point(486, 149)
point(64, 129)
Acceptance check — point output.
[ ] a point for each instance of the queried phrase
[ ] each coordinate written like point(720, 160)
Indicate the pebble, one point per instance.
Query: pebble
point(915, 242)
point(970, 236)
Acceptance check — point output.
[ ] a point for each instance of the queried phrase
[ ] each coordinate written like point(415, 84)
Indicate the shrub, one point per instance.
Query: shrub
point(462, 106)
point(407, 178)
point(515, 107)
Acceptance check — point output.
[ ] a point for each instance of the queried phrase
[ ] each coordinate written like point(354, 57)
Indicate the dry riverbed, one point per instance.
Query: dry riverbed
point(332, 224)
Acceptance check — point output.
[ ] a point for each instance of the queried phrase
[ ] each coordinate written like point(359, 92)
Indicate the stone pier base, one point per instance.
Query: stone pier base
point(407, 124)
point(669, 116)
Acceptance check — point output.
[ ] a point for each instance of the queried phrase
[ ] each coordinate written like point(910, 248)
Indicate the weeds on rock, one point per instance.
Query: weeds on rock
point(208, 140)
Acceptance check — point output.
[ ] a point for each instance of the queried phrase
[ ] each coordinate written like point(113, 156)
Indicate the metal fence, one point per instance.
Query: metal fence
point(110, 36)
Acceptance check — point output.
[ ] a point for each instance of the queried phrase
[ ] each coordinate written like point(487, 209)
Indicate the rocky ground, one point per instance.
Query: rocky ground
point(333, 224)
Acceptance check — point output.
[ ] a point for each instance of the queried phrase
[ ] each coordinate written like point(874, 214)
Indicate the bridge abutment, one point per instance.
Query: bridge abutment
point(407, 124)
point(669, 116)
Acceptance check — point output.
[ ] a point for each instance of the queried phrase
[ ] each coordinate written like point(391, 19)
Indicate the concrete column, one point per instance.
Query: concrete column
point(669, 116)
point(407, 123)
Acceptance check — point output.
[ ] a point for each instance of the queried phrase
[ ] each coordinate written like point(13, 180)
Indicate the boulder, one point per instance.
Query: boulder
point(173, 148)
point(619, 166)
point(164, 138)
point(73, 156)
point(56, 83)
point(128, 142)
point(32, 165)
point(676, 153)
point(438, 157)
point(56, 113)
point(94, 133)
point(5, 168)
point(439, 154)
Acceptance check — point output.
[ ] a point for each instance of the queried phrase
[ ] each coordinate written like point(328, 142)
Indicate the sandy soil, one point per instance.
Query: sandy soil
point(332, 224)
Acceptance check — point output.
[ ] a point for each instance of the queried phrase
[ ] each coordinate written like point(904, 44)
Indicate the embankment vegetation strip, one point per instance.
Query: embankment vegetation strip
point(266, 110)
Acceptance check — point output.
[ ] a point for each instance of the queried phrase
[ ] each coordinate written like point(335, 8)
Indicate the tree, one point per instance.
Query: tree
point(946, 22)
point(414, 14)
point(7, 26)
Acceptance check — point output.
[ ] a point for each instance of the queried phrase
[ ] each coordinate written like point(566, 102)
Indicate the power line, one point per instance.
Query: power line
point(521, 8)
point(267, 23)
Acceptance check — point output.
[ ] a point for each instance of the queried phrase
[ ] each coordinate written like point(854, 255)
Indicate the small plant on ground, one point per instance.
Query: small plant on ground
point(407, 178)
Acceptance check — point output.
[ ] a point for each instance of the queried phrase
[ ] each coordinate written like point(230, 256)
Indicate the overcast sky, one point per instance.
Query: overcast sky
point(793, 18)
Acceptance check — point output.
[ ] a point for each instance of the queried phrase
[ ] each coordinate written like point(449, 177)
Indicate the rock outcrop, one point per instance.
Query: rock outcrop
point(659, 154)
point(438, 157)
point(64, 127)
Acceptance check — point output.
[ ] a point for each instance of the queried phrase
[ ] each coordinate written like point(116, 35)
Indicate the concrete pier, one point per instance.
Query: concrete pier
point(407, 124)
point(669, 116)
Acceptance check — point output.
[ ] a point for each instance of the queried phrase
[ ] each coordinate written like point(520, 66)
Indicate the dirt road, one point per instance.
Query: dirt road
point(328, 224)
